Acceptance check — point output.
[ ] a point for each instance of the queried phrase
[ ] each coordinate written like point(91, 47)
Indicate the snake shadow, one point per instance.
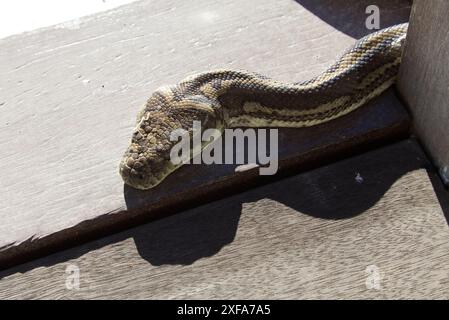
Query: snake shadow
point(338, 191)
point(348, 16)
point(341, 190)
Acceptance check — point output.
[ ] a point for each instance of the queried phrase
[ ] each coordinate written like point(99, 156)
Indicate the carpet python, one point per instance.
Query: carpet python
point(232, 98)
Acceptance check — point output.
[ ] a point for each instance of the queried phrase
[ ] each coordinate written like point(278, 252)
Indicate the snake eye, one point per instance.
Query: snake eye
point(136, 175)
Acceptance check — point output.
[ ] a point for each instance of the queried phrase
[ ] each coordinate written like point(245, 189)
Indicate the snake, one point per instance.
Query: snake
point(226, 98)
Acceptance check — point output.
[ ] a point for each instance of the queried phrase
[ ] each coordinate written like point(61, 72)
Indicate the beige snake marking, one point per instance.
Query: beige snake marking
point(227, 99)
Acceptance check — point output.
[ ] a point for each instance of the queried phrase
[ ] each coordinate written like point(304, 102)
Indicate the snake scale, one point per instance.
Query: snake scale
point(230, 98)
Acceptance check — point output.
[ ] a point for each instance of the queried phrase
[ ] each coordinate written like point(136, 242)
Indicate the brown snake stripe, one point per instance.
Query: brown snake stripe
point(227, 99)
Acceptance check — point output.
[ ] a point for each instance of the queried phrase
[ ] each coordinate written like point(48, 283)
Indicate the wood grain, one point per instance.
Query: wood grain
point(424, 78)
point(320, 234)
point(69, 96)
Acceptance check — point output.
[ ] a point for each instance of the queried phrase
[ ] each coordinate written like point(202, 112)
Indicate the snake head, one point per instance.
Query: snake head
point(147, 160)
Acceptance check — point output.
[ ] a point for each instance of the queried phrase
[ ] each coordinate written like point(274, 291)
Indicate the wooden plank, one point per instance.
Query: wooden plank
point(424, 78)
point(326, 233)
point(69, 98)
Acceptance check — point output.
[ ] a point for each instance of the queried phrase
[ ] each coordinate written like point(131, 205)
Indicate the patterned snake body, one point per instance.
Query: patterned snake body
point(227, 99)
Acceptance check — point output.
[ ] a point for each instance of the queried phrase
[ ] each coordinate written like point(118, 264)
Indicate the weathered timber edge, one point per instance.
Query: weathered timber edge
point(424, 79)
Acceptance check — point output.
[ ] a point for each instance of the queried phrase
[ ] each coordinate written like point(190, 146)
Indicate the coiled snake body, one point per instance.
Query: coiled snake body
point(227, 99)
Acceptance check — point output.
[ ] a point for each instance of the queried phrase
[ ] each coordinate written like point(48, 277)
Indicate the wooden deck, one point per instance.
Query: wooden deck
point(353, 213)
point(69, 100)
point(366, 227)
